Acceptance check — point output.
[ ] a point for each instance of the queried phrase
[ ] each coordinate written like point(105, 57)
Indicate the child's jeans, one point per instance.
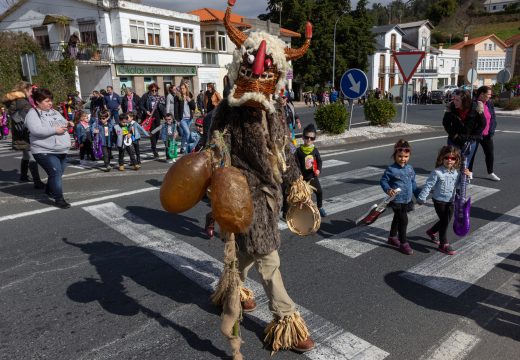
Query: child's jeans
point(131, 152)
point(86, 149)
point(107, 154)
point(444, 211)
point(137, 151)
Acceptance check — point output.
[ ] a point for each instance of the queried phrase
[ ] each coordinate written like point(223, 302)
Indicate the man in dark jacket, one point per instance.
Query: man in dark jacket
point(112, 104)
point(153, 105)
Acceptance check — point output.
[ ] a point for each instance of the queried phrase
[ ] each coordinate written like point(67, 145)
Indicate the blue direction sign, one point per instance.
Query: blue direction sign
point(354, 83)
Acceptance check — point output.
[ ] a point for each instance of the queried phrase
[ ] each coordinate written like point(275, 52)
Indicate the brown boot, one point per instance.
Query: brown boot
point(304, 345)
point(248, 305)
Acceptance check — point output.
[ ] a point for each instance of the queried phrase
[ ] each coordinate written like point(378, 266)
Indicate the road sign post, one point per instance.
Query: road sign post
point(354, 83)
point(407, 63)
point(503, 76)
point(471, 76)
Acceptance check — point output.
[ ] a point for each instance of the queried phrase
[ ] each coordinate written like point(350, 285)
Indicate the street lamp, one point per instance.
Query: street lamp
point(334, 48)
point(278, 7)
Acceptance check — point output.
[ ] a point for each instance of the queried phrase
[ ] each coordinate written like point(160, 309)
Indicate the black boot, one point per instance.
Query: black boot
point(33, 168)
point(24, 169)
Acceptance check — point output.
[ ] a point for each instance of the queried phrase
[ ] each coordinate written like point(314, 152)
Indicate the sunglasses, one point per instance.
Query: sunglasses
point(154, 90)
point(198, 126)
point(452, 158)
point(405, 150)
point(309, 138)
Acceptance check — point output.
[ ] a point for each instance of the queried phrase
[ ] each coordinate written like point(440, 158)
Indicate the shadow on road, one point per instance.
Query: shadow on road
point(493, 311)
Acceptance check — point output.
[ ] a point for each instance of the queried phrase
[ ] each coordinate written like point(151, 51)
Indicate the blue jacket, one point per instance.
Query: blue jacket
point(107, 141)
point(164, 132)
point(395, 177)
point(114, 103)
point(443, 183)
point(137, 130)
point(81, 133)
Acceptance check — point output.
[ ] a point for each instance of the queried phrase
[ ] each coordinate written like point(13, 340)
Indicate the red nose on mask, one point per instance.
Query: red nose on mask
point(258, 65)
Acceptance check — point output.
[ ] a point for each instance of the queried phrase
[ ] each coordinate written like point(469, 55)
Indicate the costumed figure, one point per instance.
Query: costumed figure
point(245, 163)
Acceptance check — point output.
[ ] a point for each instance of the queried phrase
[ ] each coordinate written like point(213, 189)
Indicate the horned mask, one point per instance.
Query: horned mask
point(260, 64)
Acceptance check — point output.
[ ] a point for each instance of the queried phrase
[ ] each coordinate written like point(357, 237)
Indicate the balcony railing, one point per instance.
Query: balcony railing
point(426, 72)
point(82, 53)
point(388, 70)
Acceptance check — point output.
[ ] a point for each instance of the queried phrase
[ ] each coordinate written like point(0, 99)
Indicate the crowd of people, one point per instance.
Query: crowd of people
point(45, 133)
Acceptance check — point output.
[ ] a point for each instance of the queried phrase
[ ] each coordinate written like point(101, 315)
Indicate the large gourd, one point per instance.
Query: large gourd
point(185, 183)
point(231, 200)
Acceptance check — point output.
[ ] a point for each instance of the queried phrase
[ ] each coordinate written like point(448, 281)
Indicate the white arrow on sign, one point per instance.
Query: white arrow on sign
point(356, 86)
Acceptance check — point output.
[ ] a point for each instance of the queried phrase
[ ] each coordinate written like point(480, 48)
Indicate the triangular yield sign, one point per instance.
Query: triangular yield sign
point(407, 62)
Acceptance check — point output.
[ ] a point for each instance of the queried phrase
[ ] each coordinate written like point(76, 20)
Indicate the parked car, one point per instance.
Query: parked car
point(437, 97)
point(447, 88)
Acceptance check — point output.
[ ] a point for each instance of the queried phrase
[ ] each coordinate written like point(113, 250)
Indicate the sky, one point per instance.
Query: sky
point(247, 8)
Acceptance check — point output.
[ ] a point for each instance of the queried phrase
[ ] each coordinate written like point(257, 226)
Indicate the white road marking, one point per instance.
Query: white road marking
point(333, 162)
point(361, 239)
point(77, 203)
point(332, 341)
point(454, 346)
point(477, 254)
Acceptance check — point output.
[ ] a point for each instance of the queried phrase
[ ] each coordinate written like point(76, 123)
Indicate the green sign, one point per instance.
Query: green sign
point(130, 70)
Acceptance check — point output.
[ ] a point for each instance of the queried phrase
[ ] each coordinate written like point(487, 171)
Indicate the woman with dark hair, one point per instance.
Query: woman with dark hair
point(183, 111)
point(153, 105)
point(50, 142)
point(484, 94)
point(464, 121)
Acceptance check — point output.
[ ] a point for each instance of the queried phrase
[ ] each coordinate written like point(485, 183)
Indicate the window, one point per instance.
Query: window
point(153, 30)
point(41, 35)
point(187, 37)
point(393, 41)
point(175, 36)
point(221, 41)
point(209, 58)
point(137, 32)
point(441, 63)
point(87, 32)
point(209, 41)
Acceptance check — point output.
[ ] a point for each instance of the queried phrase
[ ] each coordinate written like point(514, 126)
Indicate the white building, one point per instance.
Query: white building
point(448, 61)
point(123, 44)
point(492, 6)
point(438, 68)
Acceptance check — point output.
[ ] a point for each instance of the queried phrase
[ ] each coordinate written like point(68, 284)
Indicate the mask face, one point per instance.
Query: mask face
point(260, 64)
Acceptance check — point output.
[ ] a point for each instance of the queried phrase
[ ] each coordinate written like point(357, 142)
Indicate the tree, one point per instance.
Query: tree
point(354, 39)
point(441, 9)
point(58, 76)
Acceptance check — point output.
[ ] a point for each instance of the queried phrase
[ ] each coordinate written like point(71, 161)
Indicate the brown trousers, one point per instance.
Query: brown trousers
point(268, 266)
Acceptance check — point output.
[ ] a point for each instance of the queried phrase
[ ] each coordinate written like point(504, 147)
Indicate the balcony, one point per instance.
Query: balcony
point(388, 70)
point(84, 53)
point(426, 72)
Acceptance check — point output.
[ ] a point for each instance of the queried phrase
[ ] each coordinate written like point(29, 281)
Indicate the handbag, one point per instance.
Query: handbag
point(5, 130)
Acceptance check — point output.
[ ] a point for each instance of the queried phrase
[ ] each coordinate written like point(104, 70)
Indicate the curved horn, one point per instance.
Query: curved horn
point(293, 53)
point(237, 36)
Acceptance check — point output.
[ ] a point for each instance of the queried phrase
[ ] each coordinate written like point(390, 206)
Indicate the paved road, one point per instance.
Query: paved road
point(115, 277)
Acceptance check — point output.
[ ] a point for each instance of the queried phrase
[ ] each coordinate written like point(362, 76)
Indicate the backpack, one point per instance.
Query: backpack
point(20, 134)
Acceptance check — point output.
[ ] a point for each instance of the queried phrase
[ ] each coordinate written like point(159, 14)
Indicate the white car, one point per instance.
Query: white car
point(447, 88)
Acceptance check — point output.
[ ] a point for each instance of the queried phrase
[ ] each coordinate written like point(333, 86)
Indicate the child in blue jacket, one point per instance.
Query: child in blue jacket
point(400, 175)
point(137, 132)
point(103, 132)
point(84, 136)
point(168, 135)
point(442, 181)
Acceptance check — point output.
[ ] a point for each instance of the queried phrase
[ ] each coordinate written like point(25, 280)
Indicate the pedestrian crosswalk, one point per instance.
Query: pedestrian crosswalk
point(477, 254)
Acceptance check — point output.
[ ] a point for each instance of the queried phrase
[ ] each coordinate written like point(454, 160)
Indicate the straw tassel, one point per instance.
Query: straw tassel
point(285, 333)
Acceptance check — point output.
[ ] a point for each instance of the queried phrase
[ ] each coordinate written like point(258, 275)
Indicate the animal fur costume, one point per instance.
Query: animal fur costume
point(257, 140)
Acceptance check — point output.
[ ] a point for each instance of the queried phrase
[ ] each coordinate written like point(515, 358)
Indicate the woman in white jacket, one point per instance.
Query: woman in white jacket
point(50, 142)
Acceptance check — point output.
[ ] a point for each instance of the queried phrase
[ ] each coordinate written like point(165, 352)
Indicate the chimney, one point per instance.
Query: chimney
point(441, 46)
point(466, 36)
